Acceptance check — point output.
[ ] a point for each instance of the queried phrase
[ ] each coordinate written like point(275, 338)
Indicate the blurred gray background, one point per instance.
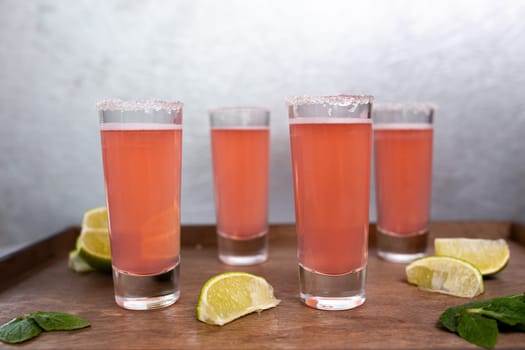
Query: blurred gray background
point(57, 58)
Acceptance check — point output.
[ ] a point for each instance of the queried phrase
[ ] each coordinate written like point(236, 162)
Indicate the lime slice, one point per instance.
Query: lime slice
point(230, 295)
point(93, 246)
point(77, 263)
point(96, 218)
point(447, 275)
point(489, 255)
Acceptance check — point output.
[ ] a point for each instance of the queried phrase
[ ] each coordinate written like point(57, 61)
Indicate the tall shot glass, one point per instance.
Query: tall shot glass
point(330, 139)
point(403, 135)
point(141, 151)
point(240, 138)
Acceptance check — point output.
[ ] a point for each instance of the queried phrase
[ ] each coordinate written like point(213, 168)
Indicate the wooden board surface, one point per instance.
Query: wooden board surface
point(395, 315)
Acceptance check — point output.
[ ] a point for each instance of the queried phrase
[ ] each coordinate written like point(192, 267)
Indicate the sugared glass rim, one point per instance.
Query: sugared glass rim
point(423, 107)
point(139, 105)
point(338, 100)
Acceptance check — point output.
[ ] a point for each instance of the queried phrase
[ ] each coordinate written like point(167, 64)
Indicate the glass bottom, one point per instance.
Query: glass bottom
point(242, 252)
point(332, 292)
point(135, 292)
point(401, 249)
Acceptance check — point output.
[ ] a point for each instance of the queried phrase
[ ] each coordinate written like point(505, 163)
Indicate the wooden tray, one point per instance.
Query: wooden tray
point(395, 315)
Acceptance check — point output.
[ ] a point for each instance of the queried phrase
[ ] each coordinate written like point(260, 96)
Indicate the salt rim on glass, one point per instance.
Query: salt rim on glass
point(349, 102)
point(336, 100)
point(147, 106)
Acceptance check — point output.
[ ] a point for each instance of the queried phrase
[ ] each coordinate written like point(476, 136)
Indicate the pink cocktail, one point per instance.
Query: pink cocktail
point(144, 200)
point(331, 167)
point(330, 141)
point(141, 151)
point(240, 140)
point(403, 137)
point(244, 150)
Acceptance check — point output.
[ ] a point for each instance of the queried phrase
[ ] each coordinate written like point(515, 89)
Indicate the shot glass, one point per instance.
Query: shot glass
point(403, 136)
point(240, 139)
point(330, 139)
point(141, 151)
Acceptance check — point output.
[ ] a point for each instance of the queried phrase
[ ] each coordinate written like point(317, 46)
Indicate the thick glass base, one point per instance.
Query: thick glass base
point(136, 292)
point(241, 252)
point(401, 249)
point(332, 292)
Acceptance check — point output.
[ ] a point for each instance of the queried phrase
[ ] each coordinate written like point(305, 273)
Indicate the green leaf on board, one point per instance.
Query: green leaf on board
point(449, 318)
point(58, 321)
point(478, 330)
point(510, 311)
point(478, 322)
point(19, 330)
point(27, 327)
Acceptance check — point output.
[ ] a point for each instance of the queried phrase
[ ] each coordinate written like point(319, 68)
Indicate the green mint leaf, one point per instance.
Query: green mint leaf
point(449, 318)
point(505, 309)
point(510, 311)
point(478, 330)
point(19, 330)
point(478, 321)
point(58, 321)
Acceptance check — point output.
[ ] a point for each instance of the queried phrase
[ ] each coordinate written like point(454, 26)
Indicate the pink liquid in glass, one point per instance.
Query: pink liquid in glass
point(331, 172)
point(240, 168)
point(142, 169)
point(403, 172)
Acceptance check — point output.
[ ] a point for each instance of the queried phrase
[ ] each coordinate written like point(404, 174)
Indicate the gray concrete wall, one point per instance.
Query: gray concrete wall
point(57, 58)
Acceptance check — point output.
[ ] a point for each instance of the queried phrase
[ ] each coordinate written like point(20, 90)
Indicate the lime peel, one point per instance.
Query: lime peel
point(92, 248)
point(231, 295)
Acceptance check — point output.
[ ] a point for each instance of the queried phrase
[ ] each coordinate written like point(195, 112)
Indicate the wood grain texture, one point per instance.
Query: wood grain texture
point(395, 315)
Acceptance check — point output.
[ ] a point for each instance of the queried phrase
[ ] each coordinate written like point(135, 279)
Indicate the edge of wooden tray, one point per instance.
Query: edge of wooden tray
point(19, 264)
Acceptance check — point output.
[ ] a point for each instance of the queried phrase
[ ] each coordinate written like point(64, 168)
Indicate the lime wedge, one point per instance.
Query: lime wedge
point(489, 255)
point(77, 263)
point(92, 251)
point(230, 295)
point(447, 275)
point(96, 218)
point(94, 248)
